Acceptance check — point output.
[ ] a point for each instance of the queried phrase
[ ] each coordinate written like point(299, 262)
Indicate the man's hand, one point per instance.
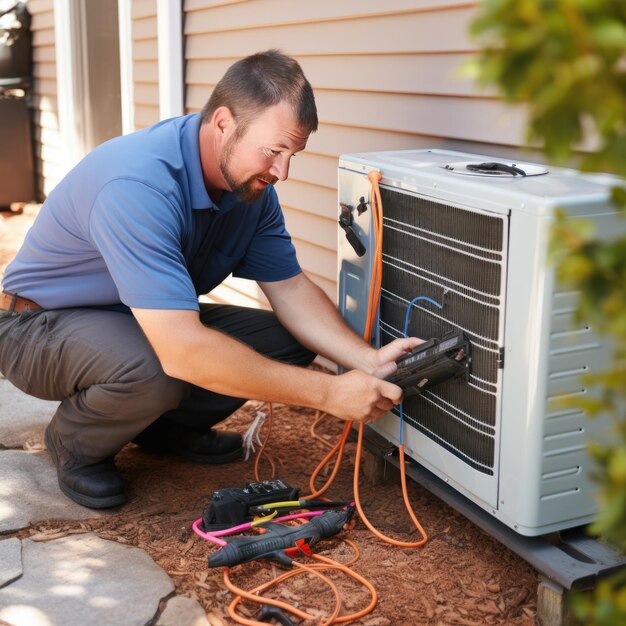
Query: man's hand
point(382, 363)
point(362, 397)
point(359, 397)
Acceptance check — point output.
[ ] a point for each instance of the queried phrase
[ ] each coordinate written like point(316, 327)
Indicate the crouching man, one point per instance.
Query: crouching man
point(100, 306)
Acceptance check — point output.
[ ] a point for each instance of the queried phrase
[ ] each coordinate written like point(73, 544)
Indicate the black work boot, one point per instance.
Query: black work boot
point(212, 447)
point(94, 485)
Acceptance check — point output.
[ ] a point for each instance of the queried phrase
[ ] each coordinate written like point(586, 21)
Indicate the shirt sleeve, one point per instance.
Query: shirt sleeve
point(138, 231)
point(270, 255)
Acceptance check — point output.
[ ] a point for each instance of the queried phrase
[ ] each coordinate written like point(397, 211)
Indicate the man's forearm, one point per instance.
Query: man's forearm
point(237, 370)
point(310, 316)
point(213, 360)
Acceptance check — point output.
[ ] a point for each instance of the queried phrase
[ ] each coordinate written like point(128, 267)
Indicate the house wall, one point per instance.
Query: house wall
point(386, 77)
point(44, 98)
point(49, 162)
point(145, 70)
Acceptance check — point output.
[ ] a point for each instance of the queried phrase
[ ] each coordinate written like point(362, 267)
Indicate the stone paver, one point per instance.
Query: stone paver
point(83, 579)
point(22, 417)
point(10, 560)
point(79, 579)
point(29, 492)
point(182, 611)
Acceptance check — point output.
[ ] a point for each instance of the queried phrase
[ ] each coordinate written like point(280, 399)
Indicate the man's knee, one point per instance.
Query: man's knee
point(259, 329)
point(287, 349)
point(302, 356)
point(157, 392)
point(140, 390)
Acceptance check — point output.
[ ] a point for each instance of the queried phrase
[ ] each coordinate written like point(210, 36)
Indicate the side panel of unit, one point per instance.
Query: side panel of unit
point(545, 482)
point(354, 272)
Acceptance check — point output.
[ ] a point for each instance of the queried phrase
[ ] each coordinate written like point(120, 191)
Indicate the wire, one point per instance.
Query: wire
point(325, 564)
point(405, 332)
point(405, 497)
point(319, 416)
point(299, 568)
point(338, 448)
point(214, 537)
point(372, 312)
point(299, 504)
point(377, 263)
point(257, 461)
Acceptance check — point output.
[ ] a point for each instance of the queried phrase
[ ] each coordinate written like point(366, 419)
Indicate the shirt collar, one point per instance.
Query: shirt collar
point(190, 147)
point(191, 155)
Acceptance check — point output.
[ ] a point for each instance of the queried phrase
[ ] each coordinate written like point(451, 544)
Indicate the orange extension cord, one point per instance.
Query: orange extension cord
point(372, 310)
point(338, 449)
point(315, 569)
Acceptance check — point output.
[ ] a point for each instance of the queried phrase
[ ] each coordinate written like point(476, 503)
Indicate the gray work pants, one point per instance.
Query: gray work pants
point(109, 382)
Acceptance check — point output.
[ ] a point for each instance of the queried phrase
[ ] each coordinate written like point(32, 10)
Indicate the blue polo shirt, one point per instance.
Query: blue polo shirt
point(133, 223)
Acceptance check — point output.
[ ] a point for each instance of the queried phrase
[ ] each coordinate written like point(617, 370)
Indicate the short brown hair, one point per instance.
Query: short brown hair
point(260, 81)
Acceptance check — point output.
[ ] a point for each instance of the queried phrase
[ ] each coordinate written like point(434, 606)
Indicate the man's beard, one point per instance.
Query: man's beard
point(243, 190)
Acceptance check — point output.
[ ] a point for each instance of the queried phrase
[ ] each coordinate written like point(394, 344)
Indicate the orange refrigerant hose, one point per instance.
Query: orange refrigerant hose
point(372, 312)
point(299, 568)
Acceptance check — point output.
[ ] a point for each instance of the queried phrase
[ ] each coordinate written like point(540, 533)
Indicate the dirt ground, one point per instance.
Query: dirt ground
point(460, 576)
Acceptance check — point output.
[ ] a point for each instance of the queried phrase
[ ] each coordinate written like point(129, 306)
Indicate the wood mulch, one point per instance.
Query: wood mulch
point(461, 575)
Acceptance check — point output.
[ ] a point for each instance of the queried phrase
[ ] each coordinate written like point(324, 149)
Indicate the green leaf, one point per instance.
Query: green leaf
point(617, 467)
point(565, 61)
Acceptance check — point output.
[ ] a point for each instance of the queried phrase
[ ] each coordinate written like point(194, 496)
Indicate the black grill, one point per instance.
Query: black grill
point(455, 257)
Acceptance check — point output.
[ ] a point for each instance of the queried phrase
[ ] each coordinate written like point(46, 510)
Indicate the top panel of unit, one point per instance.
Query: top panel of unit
point(516, 185)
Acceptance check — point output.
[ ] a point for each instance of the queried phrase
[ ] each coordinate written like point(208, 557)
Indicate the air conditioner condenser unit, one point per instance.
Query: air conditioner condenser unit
point(470, 234)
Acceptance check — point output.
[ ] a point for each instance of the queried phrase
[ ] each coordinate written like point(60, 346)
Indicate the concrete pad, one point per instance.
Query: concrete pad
point(10, 560)
point(29, 492)
point(22, 417)
point(81, 580)
point(181, 611)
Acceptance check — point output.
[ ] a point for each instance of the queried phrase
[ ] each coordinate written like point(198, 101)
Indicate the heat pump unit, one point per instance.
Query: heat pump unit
point(472, 235)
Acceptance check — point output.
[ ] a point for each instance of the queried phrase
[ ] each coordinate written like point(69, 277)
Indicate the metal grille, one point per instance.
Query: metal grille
point(455, 257)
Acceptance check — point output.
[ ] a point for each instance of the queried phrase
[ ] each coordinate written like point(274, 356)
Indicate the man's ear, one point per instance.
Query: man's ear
point(223, 120)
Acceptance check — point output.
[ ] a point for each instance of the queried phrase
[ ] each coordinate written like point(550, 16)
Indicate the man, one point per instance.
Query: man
point(100, 305)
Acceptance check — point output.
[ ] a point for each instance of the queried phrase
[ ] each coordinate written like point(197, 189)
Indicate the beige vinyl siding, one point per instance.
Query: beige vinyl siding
point(386, 77)
point(46, 136)
point(145, 63)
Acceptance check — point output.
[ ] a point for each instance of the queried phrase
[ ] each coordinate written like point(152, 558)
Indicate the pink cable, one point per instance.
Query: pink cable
point(214, 537)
